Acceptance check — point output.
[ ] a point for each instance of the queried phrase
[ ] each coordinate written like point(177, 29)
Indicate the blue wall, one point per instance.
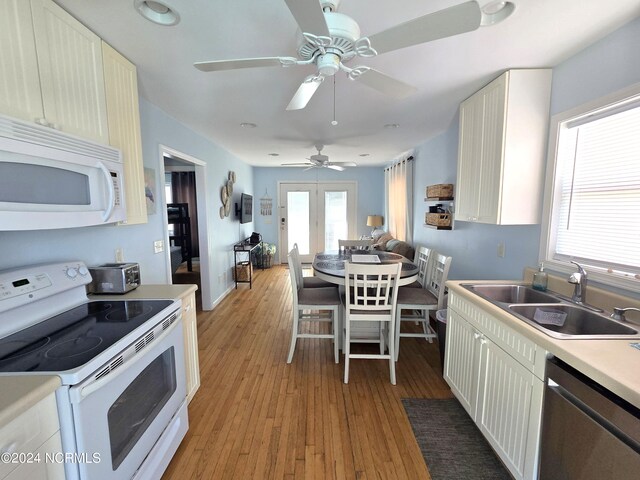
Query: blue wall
point(606, 66)
point(370, 192)
point(96, 245)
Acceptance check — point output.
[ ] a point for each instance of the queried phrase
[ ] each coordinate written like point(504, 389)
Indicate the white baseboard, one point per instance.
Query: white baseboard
point(217, 301)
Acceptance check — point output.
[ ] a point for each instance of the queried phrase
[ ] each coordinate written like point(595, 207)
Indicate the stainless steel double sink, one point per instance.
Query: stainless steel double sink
point(552, 314)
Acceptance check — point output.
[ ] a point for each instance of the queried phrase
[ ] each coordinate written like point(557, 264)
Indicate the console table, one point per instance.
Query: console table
point(245, 248)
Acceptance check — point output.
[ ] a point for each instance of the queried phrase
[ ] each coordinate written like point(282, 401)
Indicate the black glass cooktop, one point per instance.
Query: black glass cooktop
point(73, 338)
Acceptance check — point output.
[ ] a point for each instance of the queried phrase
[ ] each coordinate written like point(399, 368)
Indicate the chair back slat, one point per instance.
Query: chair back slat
point(422, 261)
point(437, 274)
point(371, 287)
point(297, 264)
point(295, 282)
point(354, 244)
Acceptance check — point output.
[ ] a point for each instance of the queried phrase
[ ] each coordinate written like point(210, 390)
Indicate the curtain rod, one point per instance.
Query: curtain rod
point(408, 159)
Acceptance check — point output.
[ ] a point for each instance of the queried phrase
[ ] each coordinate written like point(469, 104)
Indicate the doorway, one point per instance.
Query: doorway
point(185, 223)
point(315, 215)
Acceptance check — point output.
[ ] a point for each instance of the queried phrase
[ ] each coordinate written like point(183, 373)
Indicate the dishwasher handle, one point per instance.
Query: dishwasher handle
point(617, 415)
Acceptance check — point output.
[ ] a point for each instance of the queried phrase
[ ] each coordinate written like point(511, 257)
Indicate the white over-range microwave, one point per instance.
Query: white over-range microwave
point(50, 179)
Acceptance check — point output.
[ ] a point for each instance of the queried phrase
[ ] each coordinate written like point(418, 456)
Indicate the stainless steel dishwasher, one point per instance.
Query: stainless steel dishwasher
point(588, 433)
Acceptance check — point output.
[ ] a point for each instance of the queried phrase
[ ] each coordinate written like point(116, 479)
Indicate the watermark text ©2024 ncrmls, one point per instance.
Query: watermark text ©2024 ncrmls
point(49, 457)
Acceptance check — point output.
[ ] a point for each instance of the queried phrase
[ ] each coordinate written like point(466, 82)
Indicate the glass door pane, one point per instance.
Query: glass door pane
point(335, 219)
point(337, 216)
point(299, 222)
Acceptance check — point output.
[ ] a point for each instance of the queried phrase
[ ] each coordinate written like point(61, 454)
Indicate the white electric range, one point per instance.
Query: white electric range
point(123, 396)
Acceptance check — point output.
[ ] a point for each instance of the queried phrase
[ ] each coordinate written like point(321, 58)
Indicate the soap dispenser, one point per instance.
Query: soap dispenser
point(540, 279)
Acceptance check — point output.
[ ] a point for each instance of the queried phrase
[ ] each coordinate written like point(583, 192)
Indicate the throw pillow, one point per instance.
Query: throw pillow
point(391, 244)
point(381, 243)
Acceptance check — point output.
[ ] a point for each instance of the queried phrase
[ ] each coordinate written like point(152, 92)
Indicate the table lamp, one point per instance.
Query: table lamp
point(374, 221)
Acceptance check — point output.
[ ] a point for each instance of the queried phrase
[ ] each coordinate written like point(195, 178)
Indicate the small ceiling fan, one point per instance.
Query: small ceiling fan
point(331, 39)
point(321, 161)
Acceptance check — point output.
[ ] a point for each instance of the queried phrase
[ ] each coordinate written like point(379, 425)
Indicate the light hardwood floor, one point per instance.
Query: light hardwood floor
point(255, 417)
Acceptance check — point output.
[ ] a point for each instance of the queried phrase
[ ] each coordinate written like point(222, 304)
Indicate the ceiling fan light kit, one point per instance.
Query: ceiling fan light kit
point(331, 39)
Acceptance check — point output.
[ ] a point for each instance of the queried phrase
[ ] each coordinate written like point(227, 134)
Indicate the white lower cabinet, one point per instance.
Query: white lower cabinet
point(502, 393)
point(32, 442)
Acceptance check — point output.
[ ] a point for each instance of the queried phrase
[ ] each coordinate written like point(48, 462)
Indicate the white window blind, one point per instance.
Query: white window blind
point(598, 196)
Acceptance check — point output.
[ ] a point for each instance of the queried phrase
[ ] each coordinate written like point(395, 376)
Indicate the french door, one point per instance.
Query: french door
point(315, 215)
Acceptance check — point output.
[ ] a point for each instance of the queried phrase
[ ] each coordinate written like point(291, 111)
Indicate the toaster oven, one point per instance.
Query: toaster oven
point(114, 278)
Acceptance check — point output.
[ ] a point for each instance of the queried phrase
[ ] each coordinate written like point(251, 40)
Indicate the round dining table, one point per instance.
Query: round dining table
point(329, 266)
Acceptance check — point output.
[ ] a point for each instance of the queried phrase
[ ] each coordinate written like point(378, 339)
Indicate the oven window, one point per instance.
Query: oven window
point(137, 407)
point(38, 184)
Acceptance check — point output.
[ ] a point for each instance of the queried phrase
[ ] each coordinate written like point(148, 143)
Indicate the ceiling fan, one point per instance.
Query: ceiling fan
point(321, 161)
point(331, 39)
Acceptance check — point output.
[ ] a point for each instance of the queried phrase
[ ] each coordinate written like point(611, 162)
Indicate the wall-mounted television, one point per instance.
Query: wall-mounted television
point(245, 210)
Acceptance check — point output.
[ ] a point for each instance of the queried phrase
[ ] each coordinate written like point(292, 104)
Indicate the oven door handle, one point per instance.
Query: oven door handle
point(94, 385)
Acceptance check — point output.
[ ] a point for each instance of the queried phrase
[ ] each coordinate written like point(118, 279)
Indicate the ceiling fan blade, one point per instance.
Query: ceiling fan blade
point(234, 64)
point(333, 166)
point(305, 92)
point(385, 84)
point(309, 16)
point(309, 168)
point(443, 23)
point(298, 164)
point(345, 164)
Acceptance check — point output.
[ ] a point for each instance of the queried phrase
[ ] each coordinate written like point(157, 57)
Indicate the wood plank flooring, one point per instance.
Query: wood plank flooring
point(256, 417)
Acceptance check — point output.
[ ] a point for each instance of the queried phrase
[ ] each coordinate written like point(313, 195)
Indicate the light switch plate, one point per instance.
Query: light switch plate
point(158, 246)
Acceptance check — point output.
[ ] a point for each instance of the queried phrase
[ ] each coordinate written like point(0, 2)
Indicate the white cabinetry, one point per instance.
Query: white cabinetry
point(51, 69)
point(190, 326)
point(121, 86)
point(503, 131)
point(497, 375)
point(34, 437)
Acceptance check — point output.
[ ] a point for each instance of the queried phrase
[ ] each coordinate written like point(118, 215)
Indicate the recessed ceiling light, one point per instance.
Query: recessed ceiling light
point(363, 155)
point(391, 125)
point(495, 12)
point(273, 154)
point(248, 125)
point(157, 12)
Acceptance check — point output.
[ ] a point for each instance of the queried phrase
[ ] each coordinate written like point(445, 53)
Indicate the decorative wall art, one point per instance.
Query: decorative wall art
point(266, 206)
point(150, 190)
point(226, 191)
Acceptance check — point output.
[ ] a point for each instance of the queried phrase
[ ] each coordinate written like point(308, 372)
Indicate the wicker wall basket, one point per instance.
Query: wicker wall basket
point(438, 219)
point(441, 190)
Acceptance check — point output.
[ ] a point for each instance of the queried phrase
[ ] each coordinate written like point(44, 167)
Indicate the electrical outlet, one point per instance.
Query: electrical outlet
point(501, 249)
point(158, 246)
point(119, 254)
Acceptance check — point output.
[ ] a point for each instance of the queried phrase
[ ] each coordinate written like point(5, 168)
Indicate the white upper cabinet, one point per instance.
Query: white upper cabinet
point(121, 85)
point(503, 131)
point(20, 95)
point(51, 68)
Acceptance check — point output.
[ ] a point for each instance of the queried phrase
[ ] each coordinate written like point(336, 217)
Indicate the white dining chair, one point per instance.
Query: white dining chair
point(371, 296)
point(307, 282)
point(344, 245)
point(313, 305)
point(420, 301)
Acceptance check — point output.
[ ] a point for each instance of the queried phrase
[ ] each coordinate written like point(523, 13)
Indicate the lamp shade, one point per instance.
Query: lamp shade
point(374, 221)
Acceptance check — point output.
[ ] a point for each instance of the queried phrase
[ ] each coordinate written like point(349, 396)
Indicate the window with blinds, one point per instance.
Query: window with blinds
point(595, 216)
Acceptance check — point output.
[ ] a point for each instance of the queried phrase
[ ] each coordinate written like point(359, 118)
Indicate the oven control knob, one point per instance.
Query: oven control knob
point(82, 270)
point(72, 272)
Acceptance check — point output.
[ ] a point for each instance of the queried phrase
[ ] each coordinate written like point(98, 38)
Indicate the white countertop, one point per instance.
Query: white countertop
point(150, 292)
point(19, 393)
point(612, 363)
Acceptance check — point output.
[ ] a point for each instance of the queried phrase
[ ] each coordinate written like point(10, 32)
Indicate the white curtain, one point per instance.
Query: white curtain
point(398, 184)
